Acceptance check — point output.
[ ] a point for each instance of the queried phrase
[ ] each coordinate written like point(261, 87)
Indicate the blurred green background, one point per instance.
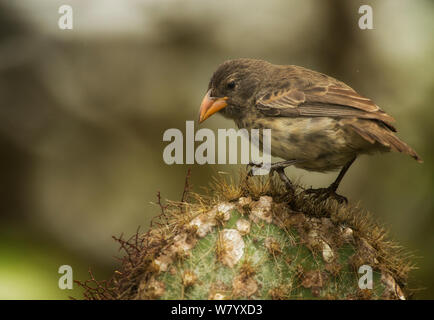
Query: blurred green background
point(83, 111)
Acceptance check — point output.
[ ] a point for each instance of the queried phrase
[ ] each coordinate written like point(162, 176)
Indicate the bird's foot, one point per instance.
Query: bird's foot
point(279, 168)
point(288, 184)
point(250, 166)
point(326, 193)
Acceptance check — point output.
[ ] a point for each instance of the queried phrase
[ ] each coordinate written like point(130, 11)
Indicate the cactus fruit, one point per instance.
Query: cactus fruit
point(253, 240)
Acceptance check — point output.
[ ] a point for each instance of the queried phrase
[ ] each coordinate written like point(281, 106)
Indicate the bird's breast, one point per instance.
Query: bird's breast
point(320, 143)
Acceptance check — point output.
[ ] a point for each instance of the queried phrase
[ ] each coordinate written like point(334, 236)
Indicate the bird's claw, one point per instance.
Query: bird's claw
point(250, 167)
point(279, 168)
point(285, 179)
point(326, 193)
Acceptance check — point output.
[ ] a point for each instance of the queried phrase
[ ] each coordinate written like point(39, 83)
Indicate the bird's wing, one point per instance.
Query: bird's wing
point(323, 99)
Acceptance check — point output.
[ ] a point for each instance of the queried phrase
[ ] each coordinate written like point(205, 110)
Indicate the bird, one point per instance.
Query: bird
point(317, 122)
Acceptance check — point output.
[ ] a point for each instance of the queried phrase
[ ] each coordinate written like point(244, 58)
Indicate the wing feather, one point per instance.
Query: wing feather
point(306, 93)
point(334, 99)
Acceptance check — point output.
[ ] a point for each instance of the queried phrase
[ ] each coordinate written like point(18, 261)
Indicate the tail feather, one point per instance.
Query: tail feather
point(376, 132)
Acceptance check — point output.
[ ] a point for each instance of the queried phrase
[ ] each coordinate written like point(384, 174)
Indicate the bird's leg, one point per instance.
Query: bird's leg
point(334, 186)
point(250, 167)
point(325, 193)
point(278, 167)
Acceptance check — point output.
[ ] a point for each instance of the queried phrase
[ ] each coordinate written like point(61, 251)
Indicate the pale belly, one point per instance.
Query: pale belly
point(320, 144)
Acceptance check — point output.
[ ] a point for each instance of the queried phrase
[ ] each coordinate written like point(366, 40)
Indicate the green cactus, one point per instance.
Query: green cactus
point(253, 240)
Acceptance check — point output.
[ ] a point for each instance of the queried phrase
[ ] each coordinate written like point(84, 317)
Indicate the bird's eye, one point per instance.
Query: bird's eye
point(231, 84)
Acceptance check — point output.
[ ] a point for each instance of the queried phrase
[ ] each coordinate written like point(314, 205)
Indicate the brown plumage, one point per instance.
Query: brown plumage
point(318, 122)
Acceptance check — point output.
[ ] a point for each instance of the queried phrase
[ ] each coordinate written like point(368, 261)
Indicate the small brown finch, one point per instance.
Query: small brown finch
point(317, 122)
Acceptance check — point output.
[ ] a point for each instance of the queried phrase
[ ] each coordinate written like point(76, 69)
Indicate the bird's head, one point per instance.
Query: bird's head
point(232, 88)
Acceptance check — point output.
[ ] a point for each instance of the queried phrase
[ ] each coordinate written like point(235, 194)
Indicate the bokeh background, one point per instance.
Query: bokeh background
point(83, 111)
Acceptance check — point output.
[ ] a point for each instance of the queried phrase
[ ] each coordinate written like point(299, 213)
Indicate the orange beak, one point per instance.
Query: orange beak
point(210, 105)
